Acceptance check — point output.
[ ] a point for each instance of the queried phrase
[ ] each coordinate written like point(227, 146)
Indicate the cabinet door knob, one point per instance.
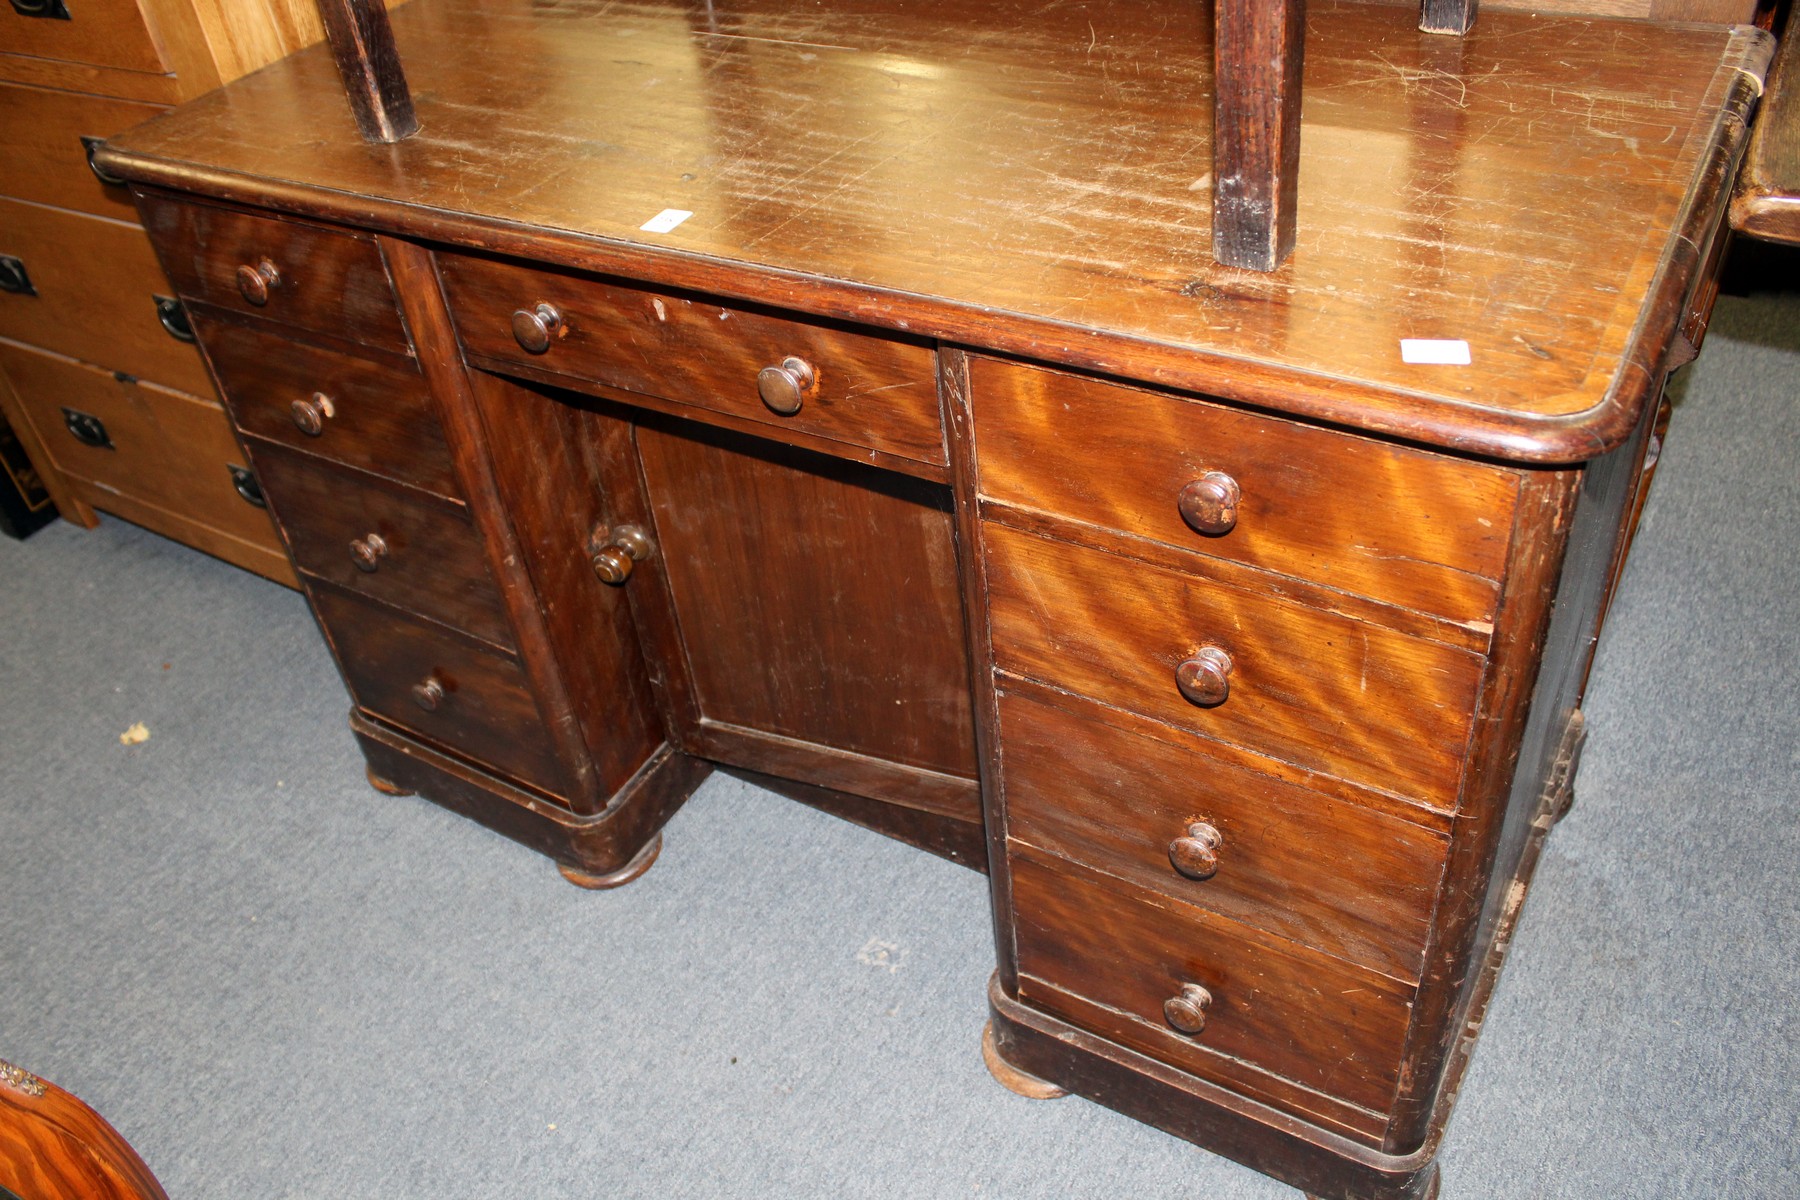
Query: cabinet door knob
point(1205, 679)
point(428, 695)
point(254, 283)
point(1209, 504)
point(616, 551)
point(367, 552)
point(534, 327)
point(786, 387)
point(1187, 1012)
point(1195, 854)
point(309, 415)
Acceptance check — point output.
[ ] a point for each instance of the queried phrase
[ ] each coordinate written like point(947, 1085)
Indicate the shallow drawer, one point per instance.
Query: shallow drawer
point(1305, 1017)
point(866, 391)
point(107, 33)
point(95, 283)
point(160, 447)
point(42, 157)
point(1393, 523)
point(327, 280)
point(473, 702)
point(369, 415)
point(409, 550)
point(1312, 688)
point(1267, 852)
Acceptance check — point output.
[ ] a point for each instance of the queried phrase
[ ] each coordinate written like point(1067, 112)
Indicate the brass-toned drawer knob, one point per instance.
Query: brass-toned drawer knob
point(255, 283)
point(367, 552)
point(1195, 853)
point(428, 695)
point(615, 552)
point(1205, 679)
point(1209, 504)
point(310, 415)
point(533, 328)
point(786, 387)
point(1187, 1012)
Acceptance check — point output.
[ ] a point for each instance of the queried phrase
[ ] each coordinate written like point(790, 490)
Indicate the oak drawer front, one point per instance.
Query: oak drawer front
point(42, 158)
point(408, 550)
point(106, 33)
point(356, 411)
point(1305, 1017)
point(1312, 688)
point(294, 272)
point(866, 391)
point(95, 283)
point(481, 706)
point(1404, 526)
point(1200, 826)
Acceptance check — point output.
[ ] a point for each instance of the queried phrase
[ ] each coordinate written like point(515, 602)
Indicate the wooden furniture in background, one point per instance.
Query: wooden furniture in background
point(848, 396)
point(54, 1147)
point(1767, 204)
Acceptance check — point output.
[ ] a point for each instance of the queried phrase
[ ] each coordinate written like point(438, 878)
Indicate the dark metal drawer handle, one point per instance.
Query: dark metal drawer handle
point(87, 429)
point(14, 277)
point(247, 486)
point(91, 144)
point(53, 10)
point(173, 316)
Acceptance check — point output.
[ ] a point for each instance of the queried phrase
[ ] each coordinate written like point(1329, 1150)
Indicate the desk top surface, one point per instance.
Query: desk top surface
point(1035, 178)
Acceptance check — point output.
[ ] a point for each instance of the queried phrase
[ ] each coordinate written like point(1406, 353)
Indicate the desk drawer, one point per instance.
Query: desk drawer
point(106, 33)
point(1405, 526)
point(867, 391)
point(403, 548)
point(1322, 691)
point(480, 708)
point(1298, 863)
point(301, 274)
point(42, 158)
point(381, 418)
point(1314, 1020)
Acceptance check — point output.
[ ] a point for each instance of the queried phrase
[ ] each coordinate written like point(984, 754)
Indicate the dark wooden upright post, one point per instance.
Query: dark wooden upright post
point(1257, 54)
point(362, 41)
point(1446, 16)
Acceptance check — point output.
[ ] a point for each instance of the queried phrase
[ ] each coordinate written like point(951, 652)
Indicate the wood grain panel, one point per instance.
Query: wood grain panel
point(872, 392)
point(1353, 883)
point(51, 1144)
point(329, 280)
point(107, 33)
point(96, 282)
point(1397, 524)
point(1312, 1019)
point(1312, 688)
point(383, 419)
point(42, 158)
point(1767, 201)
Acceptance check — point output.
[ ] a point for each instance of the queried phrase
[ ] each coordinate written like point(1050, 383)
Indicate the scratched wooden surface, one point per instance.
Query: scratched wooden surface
point(1039, 174)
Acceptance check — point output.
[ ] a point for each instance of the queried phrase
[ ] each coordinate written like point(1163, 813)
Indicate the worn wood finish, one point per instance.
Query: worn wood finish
point(1258, 61)
point(869, 392)
point(52, 1145)
point(1767, 203)
point(1355, 884)
point(428, 559)
point(362, 42)
point(382, 419)
point(42, 158)
point(959, 839)
point(322, 279)
point(1410, 528)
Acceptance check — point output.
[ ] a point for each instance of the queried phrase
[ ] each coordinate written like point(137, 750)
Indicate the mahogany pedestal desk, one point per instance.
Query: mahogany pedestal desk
point(846, 394)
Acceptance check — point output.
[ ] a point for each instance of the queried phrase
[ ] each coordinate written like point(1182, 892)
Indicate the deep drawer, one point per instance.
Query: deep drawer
point(42, 158)
point(405, 549)
point(1312, 688)
point(867, 392)
point(326, 280)
point(368, 415)
point(1401, 525)
point(481, 707)
point(106, 33)
point(1319, 1022)
point(1297, 863)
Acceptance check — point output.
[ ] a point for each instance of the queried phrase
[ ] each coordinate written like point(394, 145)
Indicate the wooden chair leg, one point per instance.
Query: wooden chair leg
point(1257, 49)
point(362, 41)
point(1446, 16)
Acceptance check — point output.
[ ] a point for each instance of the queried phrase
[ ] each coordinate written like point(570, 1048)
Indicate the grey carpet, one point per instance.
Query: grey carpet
point(277, 983)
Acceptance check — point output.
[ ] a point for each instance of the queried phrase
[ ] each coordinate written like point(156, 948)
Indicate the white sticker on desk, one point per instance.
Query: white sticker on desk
point(1435, 351)
point(665, 220)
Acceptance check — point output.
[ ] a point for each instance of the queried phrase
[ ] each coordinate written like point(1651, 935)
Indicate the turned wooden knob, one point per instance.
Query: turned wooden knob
point(614, 552)
point(253, 283)
point(1205, 679)
point(309, 415)
point(786, 387)
point(428, 695)
point(613, 565)
point(367, 552)
point(1196, 853)
point(1187, 1012)
point(534, 327)
point(1209, 503)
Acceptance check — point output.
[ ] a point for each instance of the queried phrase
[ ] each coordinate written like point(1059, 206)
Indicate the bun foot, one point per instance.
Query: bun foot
point(639, 863)
point(1428, 1187)
point(383, 786)
point(1013, 1079)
